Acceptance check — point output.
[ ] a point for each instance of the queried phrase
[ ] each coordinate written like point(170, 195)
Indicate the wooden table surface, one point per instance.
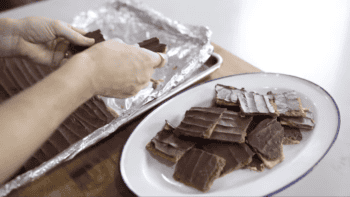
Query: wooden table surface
point(96, 170)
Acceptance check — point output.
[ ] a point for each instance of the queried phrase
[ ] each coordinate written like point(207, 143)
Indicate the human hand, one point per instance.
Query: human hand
point(37, 37)
point(117, 69)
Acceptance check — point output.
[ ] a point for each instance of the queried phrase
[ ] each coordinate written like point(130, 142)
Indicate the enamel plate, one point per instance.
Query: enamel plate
point(145, 176)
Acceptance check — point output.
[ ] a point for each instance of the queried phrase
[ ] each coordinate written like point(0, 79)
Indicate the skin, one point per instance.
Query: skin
point(111, 68)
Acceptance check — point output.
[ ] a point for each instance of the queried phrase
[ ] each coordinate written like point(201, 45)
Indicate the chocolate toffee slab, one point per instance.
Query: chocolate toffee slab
point(236, 155)
point(266, 140)
point(145, 176)
point(199, 169)
point(168, 146)
point(199, 121)
point(231, 127)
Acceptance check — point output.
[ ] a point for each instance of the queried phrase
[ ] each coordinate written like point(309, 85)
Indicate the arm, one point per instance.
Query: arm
point(29, 118)
point(110, 68)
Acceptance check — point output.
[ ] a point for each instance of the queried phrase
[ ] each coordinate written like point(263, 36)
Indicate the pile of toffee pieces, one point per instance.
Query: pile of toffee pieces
point(243, 130)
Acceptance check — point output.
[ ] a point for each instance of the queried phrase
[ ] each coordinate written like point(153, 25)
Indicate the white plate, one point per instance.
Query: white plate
point(147, 177)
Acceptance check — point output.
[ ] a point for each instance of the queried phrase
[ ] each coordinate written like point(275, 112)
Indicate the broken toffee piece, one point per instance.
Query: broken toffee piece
point(168, 146)
point(287, 104)
point(306, 122)
point(266, 140)
point(199, 169)
point(199, 121)
point(236, 155)
point(291, 135)
point(231, 127)
point(153, 45)
point(97, 35)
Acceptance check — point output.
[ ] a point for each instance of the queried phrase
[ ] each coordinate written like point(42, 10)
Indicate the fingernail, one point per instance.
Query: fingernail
point(90, 40)
point(164, 58)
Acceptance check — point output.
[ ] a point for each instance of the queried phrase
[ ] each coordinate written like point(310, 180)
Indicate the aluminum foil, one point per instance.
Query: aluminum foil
point(132, 21)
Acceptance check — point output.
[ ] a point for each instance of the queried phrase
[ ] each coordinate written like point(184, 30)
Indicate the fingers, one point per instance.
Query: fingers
point(74, 35)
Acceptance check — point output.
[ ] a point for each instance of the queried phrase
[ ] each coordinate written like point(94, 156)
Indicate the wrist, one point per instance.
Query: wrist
point(80, 72)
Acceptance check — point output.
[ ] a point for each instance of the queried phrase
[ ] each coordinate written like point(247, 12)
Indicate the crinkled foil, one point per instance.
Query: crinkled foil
point(132, 21)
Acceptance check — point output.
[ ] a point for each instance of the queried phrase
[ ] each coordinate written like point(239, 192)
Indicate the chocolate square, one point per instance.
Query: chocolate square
point(199, 121)
point(199, 169)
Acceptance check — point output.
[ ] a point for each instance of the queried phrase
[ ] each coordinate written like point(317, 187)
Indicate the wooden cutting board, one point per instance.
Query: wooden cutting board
point(96, 170)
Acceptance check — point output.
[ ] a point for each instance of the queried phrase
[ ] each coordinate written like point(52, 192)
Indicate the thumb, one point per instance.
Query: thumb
point(72, 34)
point(159, 59)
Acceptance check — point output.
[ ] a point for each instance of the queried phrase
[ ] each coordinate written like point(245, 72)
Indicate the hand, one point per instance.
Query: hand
point(37, 37)
point(117, 69)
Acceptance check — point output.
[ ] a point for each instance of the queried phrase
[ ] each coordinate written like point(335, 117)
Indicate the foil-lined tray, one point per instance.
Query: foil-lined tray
point(191, 58)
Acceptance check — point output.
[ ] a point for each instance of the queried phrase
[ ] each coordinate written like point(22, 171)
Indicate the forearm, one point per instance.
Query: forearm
point(29, 118)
